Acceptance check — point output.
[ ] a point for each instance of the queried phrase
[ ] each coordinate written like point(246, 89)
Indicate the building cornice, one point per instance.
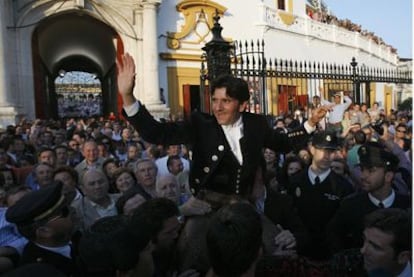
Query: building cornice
point(180, 57)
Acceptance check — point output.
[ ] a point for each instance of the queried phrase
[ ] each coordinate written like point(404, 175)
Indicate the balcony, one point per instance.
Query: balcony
point(331, 33)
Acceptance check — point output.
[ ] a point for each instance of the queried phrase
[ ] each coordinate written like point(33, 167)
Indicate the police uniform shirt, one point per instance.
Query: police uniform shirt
point(387, 202)
point(312, 175)
point(62, 250)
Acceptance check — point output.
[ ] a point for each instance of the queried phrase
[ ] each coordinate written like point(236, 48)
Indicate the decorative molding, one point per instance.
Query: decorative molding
point(180, 57)
point(287, 17)
point(198, 20)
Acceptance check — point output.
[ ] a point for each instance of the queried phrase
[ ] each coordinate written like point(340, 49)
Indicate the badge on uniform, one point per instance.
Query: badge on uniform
point(298, 192)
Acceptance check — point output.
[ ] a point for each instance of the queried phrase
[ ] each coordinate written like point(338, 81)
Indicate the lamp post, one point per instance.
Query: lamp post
point(355, 81)
point(218, 52)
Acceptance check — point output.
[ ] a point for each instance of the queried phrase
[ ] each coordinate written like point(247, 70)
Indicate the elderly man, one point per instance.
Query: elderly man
point(146, 173)
point(43, 217)
point(96, 202)
point(42, 176)
point(167, 187)
point(91, 160)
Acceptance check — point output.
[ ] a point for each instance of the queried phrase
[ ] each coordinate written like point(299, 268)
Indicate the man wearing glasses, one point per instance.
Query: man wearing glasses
point(400, 137)
point(43, 217)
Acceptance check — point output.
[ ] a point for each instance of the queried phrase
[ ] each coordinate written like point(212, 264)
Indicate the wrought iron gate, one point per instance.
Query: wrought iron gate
point(280, 86)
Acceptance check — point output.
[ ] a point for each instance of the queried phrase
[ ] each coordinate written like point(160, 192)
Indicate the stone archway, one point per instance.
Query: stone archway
point(73, 41)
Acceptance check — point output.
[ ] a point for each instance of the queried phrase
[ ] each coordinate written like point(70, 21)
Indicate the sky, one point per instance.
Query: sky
point(390, 20)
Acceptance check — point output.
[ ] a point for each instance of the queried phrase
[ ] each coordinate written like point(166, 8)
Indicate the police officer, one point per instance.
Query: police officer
point(43, 217)
point(317, 192)
point(378, 167)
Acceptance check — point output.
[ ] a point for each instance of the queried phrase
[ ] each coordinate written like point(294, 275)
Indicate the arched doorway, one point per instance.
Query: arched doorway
point(74, 42)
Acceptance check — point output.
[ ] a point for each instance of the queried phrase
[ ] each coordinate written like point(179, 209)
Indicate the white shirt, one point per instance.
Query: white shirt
point(161, 164)
point(62, 250)
point(387, 202)
point(110, 210)
point(337, 113)
point(407, 272)
point(233, 133)
point(312, 175)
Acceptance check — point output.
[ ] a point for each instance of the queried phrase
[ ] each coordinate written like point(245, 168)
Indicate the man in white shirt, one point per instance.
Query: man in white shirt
point(336, 113)
point(172, 150)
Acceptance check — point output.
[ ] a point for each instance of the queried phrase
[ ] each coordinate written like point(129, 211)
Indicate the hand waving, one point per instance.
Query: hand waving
point(126, 78)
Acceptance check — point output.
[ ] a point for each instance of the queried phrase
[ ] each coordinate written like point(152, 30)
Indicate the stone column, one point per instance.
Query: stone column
point(7, 110)
point(151, 94)
point(150, 53)
point(4, 75)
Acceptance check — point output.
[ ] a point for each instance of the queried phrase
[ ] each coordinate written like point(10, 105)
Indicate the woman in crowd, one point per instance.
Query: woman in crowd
point(124, 179)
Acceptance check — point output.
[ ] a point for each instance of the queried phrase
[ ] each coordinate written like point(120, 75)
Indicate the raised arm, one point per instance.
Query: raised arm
point(126, 79)
point(317, 115)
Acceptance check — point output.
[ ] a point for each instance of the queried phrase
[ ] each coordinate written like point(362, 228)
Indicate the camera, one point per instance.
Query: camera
point(377, 126)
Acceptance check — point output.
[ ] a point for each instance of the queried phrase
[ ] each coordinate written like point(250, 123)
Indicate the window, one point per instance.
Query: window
point(281, 4)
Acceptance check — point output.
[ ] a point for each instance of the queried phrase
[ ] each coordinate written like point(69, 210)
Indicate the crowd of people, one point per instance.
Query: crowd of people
point(216, 195)
point(322, 15)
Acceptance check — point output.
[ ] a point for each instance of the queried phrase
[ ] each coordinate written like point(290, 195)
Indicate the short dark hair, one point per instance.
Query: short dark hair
point(108, 245)
point(393, 221)
point(108, 161)
point(152, 214)
point(234, 238)
point(120, 203)
point(60, 146)
point(401, 125)
point(119, 171)
point(360, 137)
point(70, 170)
point(45, 149)
point(236, 88)
point(171, 159)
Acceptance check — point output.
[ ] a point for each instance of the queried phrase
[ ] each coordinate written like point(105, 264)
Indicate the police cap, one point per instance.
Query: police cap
point(325, 140)
point(37, 205)
point(374, 154)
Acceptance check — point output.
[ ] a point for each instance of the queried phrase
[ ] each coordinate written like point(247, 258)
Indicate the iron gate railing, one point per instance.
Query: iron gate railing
point(280, 86)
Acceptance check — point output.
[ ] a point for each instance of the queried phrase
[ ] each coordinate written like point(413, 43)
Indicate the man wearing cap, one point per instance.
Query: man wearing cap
point(378, 167)
point(317, 192)
point(336, 113)
point(43, 217)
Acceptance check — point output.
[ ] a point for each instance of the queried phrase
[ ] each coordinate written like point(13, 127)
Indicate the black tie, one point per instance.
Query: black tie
point(317, 180)
point(380, 205)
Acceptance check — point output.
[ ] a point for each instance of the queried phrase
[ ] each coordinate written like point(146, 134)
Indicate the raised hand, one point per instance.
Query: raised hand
point(317, 115)
point(126, 78)
point(195, 206)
